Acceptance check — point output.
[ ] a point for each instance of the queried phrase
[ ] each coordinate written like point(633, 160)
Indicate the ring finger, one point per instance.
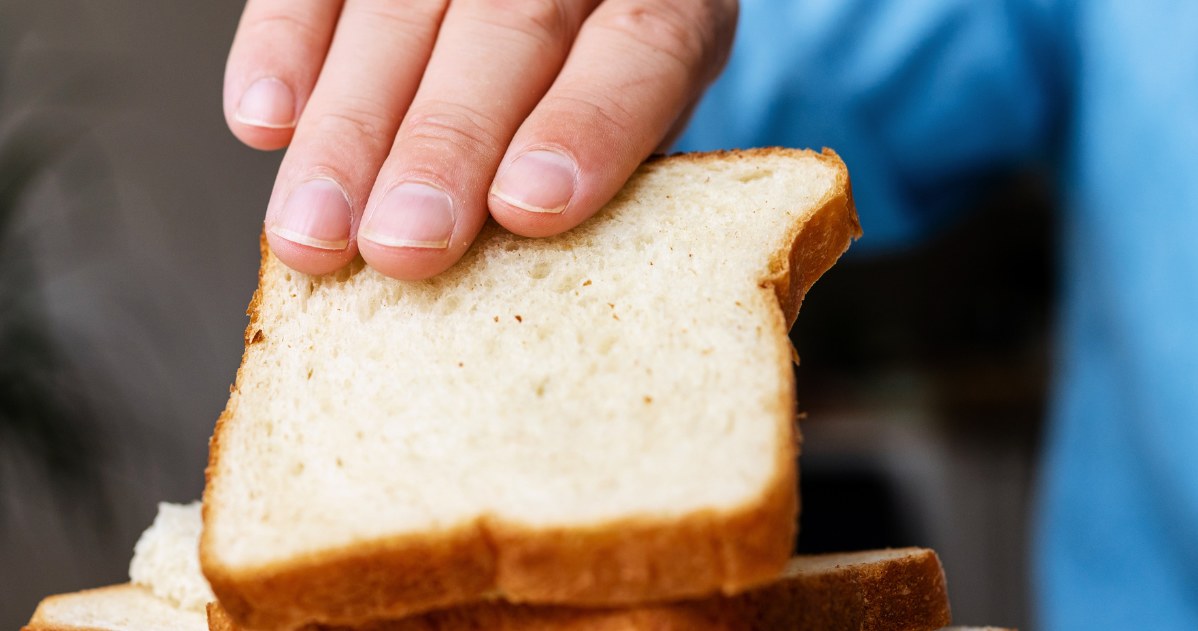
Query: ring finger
point(492, 63)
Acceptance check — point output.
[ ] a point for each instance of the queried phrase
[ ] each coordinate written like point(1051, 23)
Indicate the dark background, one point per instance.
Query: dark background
point(129, 220)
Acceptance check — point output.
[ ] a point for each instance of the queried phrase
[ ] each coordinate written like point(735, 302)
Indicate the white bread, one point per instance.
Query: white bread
point(600, 418)
point(886, 590)
point(124, 607)
point(880, 590)
point(861, 591)
point(165, 559)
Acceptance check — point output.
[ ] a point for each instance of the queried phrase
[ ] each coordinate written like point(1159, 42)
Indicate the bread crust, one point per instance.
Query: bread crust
point(621, 562)
point(900, 594)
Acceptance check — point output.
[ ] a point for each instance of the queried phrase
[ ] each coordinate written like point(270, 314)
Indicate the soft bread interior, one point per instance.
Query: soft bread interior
point(165, 559)
point(634, 367)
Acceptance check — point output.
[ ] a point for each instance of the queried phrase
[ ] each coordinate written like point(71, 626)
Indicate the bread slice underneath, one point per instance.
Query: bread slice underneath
point(599, 418)
point(881, 590)
point(124, 607)
point(884, 590)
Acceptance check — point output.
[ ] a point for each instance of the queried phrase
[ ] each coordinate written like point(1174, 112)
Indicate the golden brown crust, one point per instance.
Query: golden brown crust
point(577, 566)
point(906, 593)
point(218, 619)
point(357, 583)
point(634, 560)
point(816, 245)
point(909, 593)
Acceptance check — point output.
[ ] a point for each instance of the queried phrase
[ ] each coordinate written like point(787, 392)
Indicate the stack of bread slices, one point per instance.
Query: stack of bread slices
point(588, 431)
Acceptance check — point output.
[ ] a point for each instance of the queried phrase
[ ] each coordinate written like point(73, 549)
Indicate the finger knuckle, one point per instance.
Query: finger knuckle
point(685, 32)
point(283, 24)
point(359, 122)
point(548, 21)
point(399, 17)
point(461, 129)
point(577, 107)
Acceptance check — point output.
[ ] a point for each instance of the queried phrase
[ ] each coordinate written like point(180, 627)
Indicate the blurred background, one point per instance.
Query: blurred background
point(129, 220)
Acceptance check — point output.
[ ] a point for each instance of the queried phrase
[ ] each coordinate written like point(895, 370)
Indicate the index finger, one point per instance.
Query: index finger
point(276, 56)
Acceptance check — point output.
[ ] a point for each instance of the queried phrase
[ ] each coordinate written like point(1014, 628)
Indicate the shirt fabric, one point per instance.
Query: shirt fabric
point(922, 99)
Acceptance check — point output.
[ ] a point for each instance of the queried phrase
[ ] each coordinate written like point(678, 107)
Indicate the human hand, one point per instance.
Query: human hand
point(395, 149)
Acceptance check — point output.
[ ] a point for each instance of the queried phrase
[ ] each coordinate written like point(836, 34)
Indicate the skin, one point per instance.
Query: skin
point(407, 123)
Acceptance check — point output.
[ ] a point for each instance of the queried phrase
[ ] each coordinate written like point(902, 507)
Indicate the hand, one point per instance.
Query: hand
point(409, 121)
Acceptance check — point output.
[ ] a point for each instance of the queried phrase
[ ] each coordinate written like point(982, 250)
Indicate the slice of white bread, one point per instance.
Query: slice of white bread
point(124, 607)
point(887, 590)
point(881, 590)
point(600, 418)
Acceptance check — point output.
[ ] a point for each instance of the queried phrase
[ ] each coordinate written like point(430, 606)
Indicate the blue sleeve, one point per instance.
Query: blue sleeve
point(920, 97)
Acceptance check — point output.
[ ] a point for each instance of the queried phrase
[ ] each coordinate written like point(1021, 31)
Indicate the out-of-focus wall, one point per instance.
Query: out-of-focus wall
point(142, 226)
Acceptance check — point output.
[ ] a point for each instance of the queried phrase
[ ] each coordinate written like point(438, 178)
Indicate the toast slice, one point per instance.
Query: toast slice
point(881, 590)
point(601, 418)
point(885, 590)
point(124, 607)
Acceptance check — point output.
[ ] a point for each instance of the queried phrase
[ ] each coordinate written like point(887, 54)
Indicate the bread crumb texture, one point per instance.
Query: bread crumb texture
point(632, 375)
point(165, 560)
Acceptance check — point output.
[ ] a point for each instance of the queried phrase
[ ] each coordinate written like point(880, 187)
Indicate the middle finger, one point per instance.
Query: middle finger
point(372, 71)
point(492, 63)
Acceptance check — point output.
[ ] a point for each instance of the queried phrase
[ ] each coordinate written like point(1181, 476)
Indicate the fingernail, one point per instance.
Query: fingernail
point(538, 181)
point(316, 214)
point(411, 215)
point(268, 103)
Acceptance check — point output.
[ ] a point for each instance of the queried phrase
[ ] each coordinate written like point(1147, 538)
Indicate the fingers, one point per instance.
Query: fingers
point(492, 63)
point(498, 124)
point(276, 56)
point(373, 67)
point(633, 73)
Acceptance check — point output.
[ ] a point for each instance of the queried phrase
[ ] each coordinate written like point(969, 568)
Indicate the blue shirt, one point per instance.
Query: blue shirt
point(920, 98)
